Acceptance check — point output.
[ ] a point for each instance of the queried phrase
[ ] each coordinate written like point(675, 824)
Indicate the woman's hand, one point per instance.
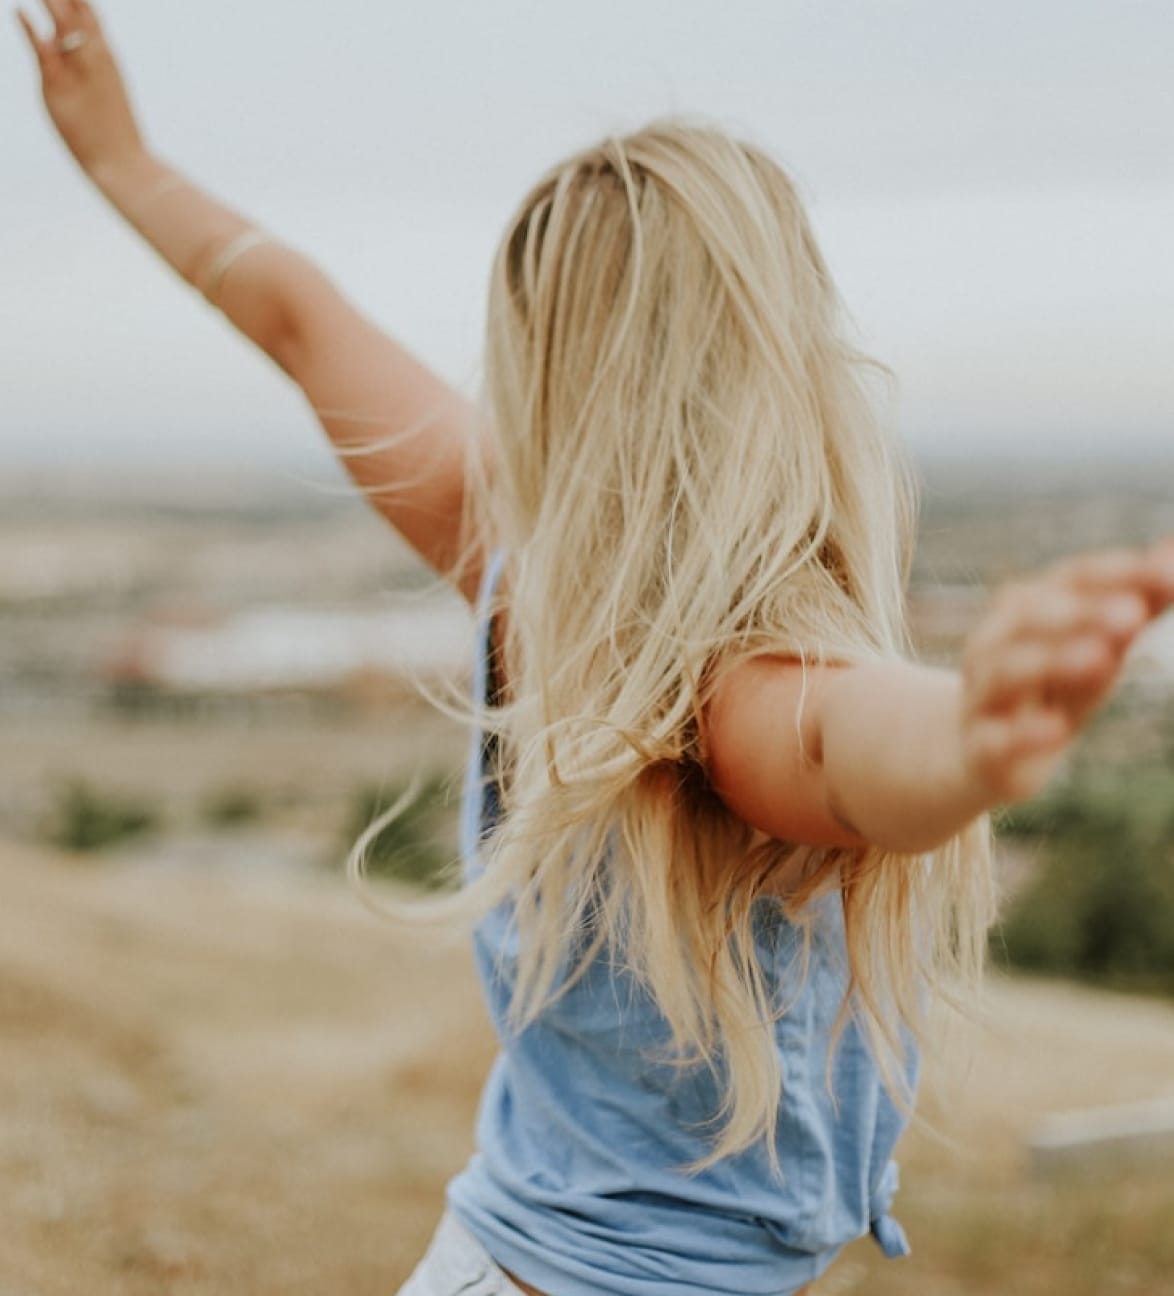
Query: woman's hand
point(1046, 655)
point(82, 86)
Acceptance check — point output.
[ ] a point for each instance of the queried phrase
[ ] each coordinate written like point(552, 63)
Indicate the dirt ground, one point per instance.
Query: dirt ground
point(220, 1082)
point(223, 1075)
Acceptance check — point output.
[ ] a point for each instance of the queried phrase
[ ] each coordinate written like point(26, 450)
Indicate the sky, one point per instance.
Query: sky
point(992, 184)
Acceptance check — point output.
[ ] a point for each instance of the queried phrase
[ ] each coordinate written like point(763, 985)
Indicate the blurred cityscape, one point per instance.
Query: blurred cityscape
point(260, 621)
point(213, 591)
point(193, 596)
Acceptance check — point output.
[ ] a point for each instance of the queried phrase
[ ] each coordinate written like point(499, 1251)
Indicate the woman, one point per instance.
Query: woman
point(720, 833)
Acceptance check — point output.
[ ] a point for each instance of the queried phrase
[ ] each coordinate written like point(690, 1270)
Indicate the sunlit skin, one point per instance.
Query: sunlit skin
point(894, 755)
point(951, 744)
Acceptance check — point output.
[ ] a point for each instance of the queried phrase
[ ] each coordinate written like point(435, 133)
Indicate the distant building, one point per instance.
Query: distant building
point(371, 654)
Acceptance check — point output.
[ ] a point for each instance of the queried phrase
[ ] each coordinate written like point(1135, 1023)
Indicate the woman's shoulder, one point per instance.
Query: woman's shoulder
point(763, 752)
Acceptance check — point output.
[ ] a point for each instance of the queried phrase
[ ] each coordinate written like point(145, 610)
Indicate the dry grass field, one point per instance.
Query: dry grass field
point(236, 1081)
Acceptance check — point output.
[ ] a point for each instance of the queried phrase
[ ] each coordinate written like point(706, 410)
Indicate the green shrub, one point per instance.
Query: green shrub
point(418, 846)
point(230, 806)
point(1101, 903)
point(82, 818)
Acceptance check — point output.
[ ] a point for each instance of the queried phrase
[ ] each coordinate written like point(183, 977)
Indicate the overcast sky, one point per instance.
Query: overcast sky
point(993, 184)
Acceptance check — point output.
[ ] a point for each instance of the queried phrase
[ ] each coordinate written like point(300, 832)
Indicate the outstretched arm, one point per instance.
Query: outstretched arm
point(903, 756)
point(363, 386)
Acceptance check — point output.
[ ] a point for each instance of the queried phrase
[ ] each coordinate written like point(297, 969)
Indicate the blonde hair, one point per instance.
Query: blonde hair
point(688, 470)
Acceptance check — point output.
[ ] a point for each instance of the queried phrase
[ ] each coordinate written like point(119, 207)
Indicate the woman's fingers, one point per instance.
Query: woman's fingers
point(1059, 642)
point(59, 12)
point(1046, 640)
point(43, 46)
point(83, 87)
point(1046, 610)
point(1014, 755)
point(83, 18)
point(69, 17)
point(1148, 573)
point(48, 49)
point(1048, 654)
point(30, 31)
point(1066, 673)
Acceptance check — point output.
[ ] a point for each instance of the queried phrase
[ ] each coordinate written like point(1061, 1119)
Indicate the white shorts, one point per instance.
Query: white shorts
point(456, 1263)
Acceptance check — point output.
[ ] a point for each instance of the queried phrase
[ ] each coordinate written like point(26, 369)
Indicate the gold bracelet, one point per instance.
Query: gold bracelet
point(235, 249)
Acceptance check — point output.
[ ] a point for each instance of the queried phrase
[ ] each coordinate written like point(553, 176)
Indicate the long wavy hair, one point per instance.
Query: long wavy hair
point(687, 468)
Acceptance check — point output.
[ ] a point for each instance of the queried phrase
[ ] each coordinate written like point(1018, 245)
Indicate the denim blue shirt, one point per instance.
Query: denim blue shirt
point(577, 1184)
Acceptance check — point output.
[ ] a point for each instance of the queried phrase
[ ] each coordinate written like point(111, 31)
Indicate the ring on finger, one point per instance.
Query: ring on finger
point(72, 41)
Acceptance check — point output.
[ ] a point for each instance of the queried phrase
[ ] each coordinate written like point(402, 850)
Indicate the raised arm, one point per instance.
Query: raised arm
point(903, 756)
point(363, 386)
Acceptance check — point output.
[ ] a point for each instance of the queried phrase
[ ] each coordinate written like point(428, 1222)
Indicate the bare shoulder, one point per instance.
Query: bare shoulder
point(764, 753)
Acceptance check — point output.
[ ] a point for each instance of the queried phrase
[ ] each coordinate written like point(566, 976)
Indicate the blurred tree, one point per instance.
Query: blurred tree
point(1101, 903)
point(82, 818)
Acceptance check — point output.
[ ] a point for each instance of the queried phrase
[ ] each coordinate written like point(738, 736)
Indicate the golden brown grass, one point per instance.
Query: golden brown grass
point(236, 1084)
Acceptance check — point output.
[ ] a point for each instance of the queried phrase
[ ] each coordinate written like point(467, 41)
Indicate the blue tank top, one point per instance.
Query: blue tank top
point(577, 1185)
